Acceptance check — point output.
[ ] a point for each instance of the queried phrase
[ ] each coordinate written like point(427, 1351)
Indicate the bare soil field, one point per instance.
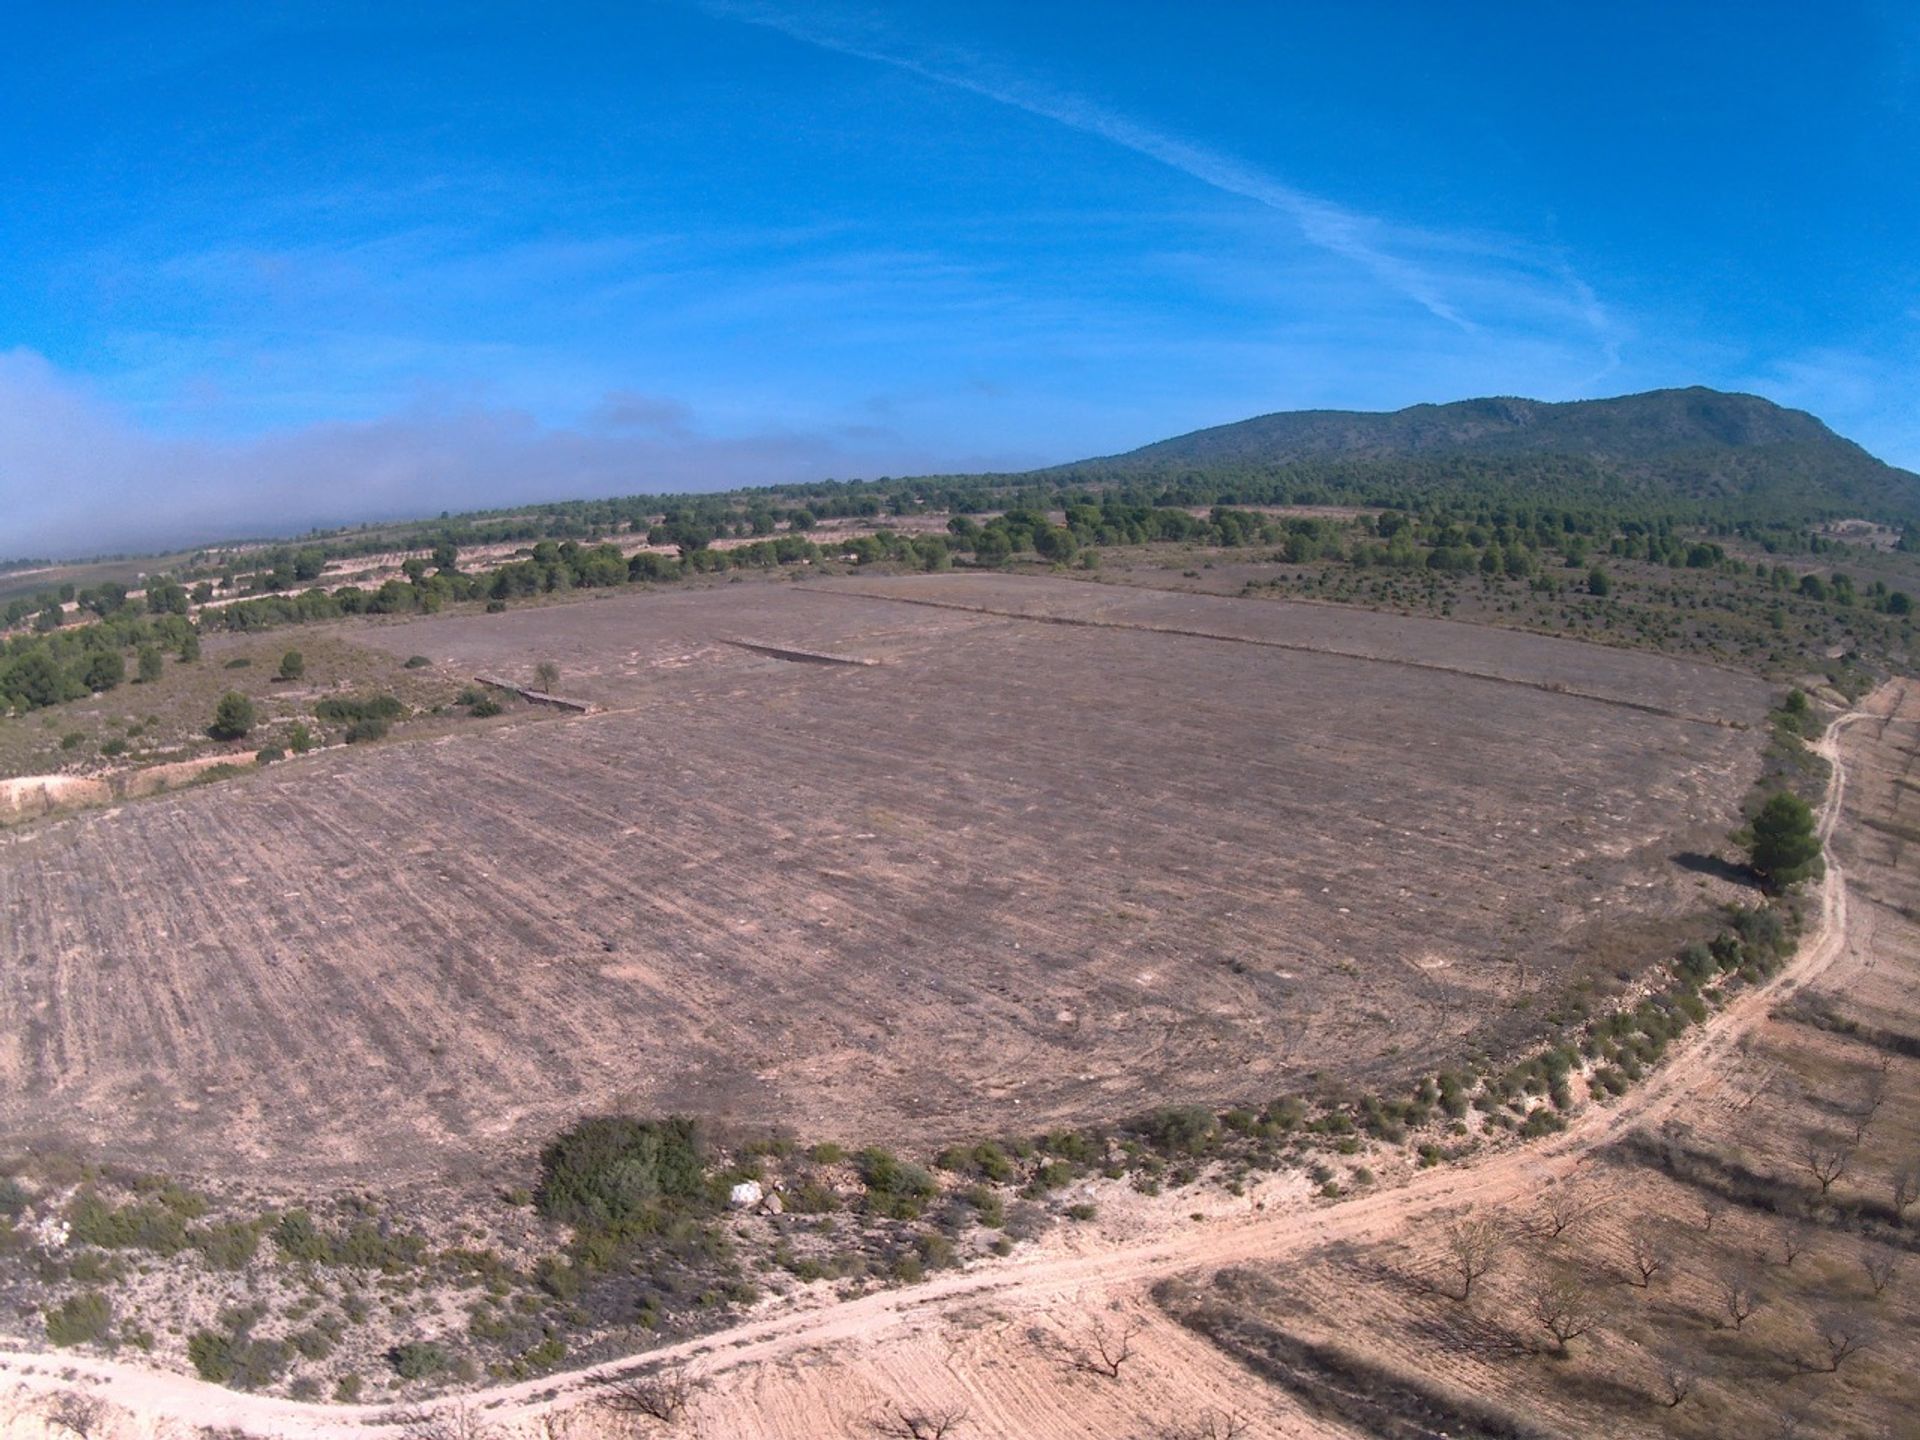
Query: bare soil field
point(1017, 873)
point(1327, 1319)
point(1740, 1262)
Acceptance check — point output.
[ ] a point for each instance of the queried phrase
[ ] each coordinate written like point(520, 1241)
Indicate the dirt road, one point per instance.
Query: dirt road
point(976, 1339)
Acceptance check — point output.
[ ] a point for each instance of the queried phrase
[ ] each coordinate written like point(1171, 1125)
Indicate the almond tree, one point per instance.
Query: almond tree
point(1474, 1247)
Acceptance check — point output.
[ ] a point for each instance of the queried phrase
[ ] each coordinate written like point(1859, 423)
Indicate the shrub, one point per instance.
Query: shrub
point(292, 665)
point(345, 709)
point(484, 708)
point(615, 1171)
point(14, 1198)
point(417, 1359)
point(73, 739)
point(80, 1319)
point(371, 728)
point(239, 662)
point(227, 1246)
point(417, 662)
point(1178, 1129)
point(895, 1187)
point(232, 717)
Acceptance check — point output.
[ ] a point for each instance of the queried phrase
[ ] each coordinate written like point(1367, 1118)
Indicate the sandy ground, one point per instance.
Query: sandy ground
point(990, 1340)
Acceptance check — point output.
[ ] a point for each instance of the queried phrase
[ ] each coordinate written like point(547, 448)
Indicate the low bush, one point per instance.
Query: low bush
point(345, 709)
point(616, 1172)
point(82, 1319)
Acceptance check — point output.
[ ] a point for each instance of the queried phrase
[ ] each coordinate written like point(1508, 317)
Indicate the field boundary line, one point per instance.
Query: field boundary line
point(1547, 687)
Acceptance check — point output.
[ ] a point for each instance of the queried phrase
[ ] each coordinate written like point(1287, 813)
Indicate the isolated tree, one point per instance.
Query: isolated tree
point(1597, 582)
point(546, 676)
point(1712, 1207)
point(922, 1424)
point(1473, 1247)
point(150, 663)
point(1905, 1185)
point(1881, 1265)
point(1785, 845)
point(292, 665)
point(1824, 1157)
point(1679, 1376)
point(1873, 1096)
point(1647, 1257)
point(232, 717)
point(1565, 1306)
point(1844, 1334)
point(1796, 1238)
point(1740, 1296)
point(1208, 1425)
point(190, 646)
point(1560, 1210)
point(1103, 1346)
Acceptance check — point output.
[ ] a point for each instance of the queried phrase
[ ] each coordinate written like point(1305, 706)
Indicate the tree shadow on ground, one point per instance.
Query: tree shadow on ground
point(1713, 865)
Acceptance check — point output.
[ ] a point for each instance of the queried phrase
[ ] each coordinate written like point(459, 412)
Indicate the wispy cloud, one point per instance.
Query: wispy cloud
point(1391, 254)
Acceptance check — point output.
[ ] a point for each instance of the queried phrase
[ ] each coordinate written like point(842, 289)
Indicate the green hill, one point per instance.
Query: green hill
point(1694, 445)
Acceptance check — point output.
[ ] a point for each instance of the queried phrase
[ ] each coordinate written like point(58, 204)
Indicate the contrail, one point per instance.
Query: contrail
point(1331, 227)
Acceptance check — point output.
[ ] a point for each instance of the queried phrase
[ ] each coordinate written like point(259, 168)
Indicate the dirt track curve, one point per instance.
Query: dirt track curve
point(736, 1361)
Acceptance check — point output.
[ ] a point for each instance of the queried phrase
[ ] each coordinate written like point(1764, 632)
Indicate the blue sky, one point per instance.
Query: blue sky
point(265, 266)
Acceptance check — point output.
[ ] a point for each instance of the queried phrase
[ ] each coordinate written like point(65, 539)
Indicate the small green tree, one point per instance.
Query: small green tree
point(190, 646)
point(232, 717)
point(1597, 582)
point(546, 676)
point(1785, 846)
point(292, 665)
point(150, 663)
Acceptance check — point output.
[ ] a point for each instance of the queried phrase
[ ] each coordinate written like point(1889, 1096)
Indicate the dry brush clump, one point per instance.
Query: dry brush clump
point(662, 1395)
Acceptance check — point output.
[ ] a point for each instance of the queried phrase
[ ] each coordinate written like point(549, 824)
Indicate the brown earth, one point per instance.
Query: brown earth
point(1017, 873)
point(999, 1342)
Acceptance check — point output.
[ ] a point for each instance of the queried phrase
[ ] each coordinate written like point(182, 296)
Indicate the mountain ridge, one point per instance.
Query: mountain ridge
point(1692, 443)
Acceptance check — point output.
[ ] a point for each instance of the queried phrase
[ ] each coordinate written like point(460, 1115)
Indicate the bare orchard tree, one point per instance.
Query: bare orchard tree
point(1560, 1209)
point(1824, 1156)
point(1646, 1258)
point(1795, 1239)
point(1208, 1425)
point(546, 677)
point(1881, 1265)
point(1103, 1345)
point(1905, 1185)
point(1843, 1334)
point(1564, 1305)
point(661, 1395)
point(1473, 1248)
point(1712, 1207)
point(1873, 1095)
point(1740, 1296)
point(925, 1423)
point(1679, 1376)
